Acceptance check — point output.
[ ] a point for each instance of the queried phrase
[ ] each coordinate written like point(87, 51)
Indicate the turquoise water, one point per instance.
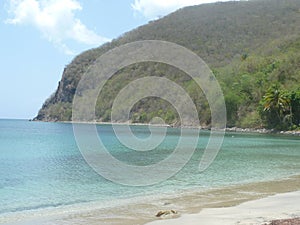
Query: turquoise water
point(41, 166)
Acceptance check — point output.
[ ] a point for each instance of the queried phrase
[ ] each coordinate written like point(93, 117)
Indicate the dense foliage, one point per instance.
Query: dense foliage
point(253, 48)
point(262, 89)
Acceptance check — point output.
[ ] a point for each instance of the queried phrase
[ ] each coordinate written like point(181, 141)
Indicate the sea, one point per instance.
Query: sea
point(43, 174)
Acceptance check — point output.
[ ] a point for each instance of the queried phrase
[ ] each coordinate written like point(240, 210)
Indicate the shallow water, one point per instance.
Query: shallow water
point(42, 172)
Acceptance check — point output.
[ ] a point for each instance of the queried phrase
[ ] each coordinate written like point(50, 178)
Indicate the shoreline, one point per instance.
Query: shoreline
point(263, 131)
point(193, 202)
point(187, 203)
point(233, 197)
point(263, 211)
point(227, 129)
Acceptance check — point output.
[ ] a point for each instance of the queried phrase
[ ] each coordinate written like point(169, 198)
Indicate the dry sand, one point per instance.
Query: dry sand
point(241, 204)
point(256, 212)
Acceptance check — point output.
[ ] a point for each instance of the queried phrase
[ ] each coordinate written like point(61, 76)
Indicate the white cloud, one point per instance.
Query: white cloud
point(56, 20)
point(152, 9)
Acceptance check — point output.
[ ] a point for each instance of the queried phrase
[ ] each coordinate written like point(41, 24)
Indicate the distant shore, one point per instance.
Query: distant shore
point(263, 131)
point(228, 129)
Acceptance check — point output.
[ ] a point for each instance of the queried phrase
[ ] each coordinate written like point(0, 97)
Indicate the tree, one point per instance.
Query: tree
point(295, 107)
point(276, 107)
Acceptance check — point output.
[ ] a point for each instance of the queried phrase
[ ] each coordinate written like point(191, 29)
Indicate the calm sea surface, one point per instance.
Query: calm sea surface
point(41, 166)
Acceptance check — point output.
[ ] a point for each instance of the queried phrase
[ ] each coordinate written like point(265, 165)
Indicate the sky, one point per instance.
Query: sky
point(40, 37)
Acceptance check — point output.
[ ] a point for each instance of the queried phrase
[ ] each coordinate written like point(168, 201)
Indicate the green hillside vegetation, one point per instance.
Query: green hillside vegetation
point(253, 48)
point(262, 90)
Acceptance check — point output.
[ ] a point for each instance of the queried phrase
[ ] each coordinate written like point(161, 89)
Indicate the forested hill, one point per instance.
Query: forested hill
point(253, 47)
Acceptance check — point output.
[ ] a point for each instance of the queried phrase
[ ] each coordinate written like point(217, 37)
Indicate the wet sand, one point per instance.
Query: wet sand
point(206, 204)
point(253, 212)
point(187, 203)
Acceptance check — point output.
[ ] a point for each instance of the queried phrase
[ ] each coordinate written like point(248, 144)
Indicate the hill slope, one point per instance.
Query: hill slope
point(249, 45)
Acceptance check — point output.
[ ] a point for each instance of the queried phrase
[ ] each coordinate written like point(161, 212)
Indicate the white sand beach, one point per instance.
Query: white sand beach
point(256, 212)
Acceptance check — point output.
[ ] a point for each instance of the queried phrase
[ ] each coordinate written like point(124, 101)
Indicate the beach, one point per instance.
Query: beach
point(280, 206)
point(253, 203)
point(275, 200)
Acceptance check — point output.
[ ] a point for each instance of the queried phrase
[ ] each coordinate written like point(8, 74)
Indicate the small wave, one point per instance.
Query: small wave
point(41, 206)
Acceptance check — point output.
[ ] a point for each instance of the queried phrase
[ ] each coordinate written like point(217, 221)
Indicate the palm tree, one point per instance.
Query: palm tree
point(276, 101)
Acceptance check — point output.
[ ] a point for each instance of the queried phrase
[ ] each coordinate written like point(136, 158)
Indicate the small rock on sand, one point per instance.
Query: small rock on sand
point(164, 213)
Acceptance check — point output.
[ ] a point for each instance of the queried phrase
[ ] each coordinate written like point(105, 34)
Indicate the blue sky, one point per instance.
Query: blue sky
point(40, 37)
